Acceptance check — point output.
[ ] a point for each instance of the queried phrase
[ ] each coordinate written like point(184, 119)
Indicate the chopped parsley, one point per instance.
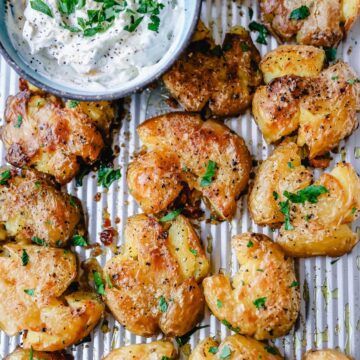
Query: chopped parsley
point(291, 165)
point(260, 302)
point(30, 292)
point(72, 201)
point(250, 244)
point(209, 174)
point(310, 194)
point(294, 284)
point(194, 251)
point(163, 305)
point(31, 354)
point(4, 177)
point(107, 175)
point(213, 349)
point(108, 281)
point(24, 258)
point(38, 241)
point(300, 13)
point(225, 352)
point(229, 326)
point(171, 215)
point(79, 240)
point(182, 340)
point(99, 285)
point(353, 210)
point(18, 122)
point(244, 47)
point(165, 358)
point(41, 6)
point(261, 29)
point(285, 209)
point(330, 54)
point(275, 195)
point(271, 350)
point(219, 304)
point(72, 104)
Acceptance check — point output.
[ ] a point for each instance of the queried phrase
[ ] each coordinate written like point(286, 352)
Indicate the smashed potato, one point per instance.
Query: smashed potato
point(315, 215)
point(34, 298)
point(157, 350)
point(25, 354)
point(33, 208)
point(319, 23)
point(263, 299)
point(235, 347)
point(183, 148)
point(325, 355)
point(321, 107)
point(220, 79)
point(153, 284)
point(43, 132)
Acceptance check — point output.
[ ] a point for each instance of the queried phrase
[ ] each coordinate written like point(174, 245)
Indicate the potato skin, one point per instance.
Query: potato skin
point(51, 136)
point(273, 284)
point(241, 347)
point(321, 107)
point(327, 24)
point(220, 79)
point(321, 228)
point(157, 350)
point(50, 320)
point(194, 142)
point(32, 206)
point(24, 354)
point(325, 355)
point(153, 268)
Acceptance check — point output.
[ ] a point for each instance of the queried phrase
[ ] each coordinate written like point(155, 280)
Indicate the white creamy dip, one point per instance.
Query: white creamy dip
point(102, 61)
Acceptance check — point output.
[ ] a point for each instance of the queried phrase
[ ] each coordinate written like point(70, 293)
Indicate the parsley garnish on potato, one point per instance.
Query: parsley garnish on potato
point(261, 29)
point(207, 179)
point(300, 13)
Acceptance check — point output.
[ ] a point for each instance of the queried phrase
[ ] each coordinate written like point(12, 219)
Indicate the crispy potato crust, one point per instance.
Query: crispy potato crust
point(320, 228)
point(153, 285)
point(182, 145)
point(320, 106)
point(32, 206)
point(33, 298)
point(241, 348)
point(326, 25)
point(24, 354)
point(219, 78)
point(157, 350)
point(325, 355)
point(260, 301)
point(41, 131)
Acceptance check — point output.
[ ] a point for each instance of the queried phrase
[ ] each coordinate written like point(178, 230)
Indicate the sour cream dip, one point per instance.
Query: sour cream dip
point(94, 44)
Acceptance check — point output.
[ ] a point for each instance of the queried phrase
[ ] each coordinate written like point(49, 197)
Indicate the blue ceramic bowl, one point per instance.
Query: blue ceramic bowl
point(192, 8)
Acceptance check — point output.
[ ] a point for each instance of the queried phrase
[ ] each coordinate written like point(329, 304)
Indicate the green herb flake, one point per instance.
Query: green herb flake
point(31, 354)
point(134, 23)
point(38, 184)
point(163, 305)
point(107, 175)
point(171, 215)
point(209, 174)
point(300, 13)
point(261, 29)
point(73, 202)
point(99, 285)
point(285, 209)
point(4, 177)
point(294, 284)
point(271, 350)
point(219, 304)
point(310, 194)
point(260, 270)
point(353, 210)
point(79, 240)
point(334, 78)
point(213, 350)
point(29, 292)
point(244, 47)
point(260, 302)
point(291, 165)
point(182, 340)
point(41, 6)
point(225, 352)
point(229, 326)
point(72, 104)
point(330, 54)
point(275, 195)
point(18, 121)
point(36, 240)
point(250, 244)
point(24, 258)
point(194, 251)
point(165, 358)
point(108, 281)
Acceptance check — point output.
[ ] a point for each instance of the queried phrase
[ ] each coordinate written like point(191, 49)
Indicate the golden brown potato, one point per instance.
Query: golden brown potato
point(25, 354)
point(325, 24)
point(313, 226)
point(325, 355)
point(154, 283)
point(34, 298)
point(263, 299)
point(157, 350)
point(190, 145)
point(235, 347)
point(321, 108)
point(219, 78)
point(32, 207)
point(43, 132)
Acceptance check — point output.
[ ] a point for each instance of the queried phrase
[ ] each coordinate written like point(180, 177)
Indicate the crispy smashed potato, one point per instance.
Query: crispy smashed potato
point(153, 284)
point(33, 208)
point(35, 299)
point(25, 354)
point(319, 23)
point(235, 347)
point(263, 299)
point(312, 226)
point(182, 147)
point(157, 350)
point(43, 132)
point(321, 107)
point(325, 355)
point(220, 79)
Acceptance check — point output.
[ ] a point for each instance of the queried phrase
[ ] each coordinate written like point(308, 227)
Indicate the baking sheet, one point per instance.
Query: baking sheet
point(330, 316)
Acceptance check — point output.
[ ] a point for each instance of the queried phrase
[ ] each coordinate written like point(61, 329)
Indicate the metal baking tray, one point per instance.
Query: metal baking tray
point(330, 288)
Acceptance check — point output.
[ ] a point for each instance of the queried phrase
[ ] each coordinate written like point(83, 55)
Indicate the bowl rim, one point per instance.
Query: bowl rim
point(117, 94)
